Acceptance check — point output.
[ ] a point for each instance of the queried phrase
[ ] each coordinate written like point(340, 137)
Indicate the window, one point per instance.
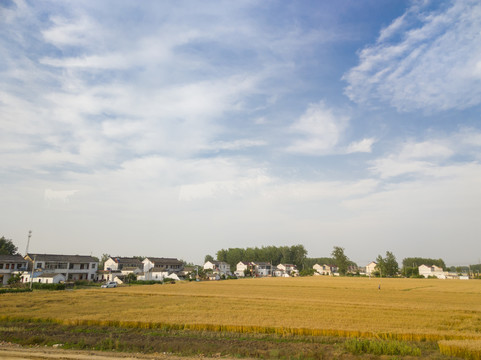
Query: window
point(7, 266)
point(81, 266)
point(1, 266)
point(70, 266)
point(39, 265)
point(93, 266)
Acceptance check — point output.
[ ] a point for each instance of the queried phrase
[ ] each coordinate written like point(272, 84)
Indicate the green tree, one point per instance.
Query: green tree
point(340, 259)
point(130, 277)
point(7, 247)
point(14, 280)
point(102, 261)
point(387, 266)
point(209, 258)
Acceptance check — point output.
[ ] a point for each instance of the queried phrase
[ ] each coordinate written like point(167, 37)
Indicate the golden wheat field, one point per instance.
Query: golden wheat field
point(405, 309)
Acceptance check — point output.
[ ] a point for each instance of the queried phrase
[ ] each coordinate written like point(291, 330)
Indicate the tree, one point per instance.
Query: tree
point(103, 259)
point(7, 247)
point(341, 260)
point(208, 258)
point(387, 266)
point(130, 277)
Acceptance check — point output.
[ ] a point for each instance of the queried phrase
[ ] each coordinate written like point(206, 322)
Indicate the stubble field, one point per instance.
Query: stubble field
point(403, 309)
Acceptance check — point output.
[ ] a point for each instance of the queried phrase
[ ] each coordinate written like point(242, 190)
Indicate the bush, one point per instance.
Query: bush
point(376, 347)
point(307, 272)
point(40, 286)
point(144, 282)
point(13, 290)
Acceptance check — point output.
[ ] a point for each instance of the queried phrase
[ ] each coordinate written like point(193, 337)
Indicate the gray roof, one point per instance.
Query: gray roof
point(126, 260)
point(165, 261)
point(65, 258)
point(9, 258)
point(48, 275)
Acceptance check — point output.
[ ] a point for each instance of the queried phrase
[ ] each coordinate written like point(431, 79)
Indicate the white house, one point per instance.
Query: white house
point(242, 267)
point(323, 269)
point(124, 264)
point(433, 270)
point(72, 267)
point(220, 267)
point(286, 270)
point(11, 265)
point(52, 278)
point(170, 265)
point(262, 268)
point(370, 268)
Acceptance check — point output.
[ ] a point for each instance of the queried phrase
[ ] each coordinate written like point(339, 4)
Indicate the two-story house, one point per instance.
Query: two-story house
point(11, 265)
point(72, 267)
point(243, 268)
point(220, 267)
point(262, 268)
point(286, 270)
point(170, 265)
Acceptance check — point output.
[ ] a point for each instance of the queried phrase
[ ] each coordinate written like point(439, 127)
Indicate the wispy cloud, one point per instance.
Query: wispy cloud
point(424, 60)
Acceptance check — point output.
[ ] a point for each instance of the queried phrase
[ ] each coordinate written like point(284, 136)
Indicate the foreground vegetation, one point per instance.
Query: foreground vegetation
point(403, 312)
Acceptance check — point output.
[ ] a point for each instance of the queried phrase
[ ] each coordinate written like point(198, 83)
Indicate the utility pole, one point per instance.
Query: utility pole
point(28, 241)
point(33, 269)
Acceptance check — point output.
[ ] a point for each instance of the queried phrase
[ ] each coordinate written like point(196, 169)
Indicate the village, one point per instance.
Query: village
point(55, 268)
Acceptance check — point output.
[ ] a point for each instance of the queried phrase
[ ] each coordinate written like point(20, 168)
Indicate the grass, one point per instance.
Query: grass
point(403, 310)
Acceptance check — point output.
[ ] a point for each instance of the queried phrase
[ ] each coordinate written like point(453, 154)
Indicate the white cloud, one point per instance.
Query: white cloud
point(433, 66)
point(365, 146)
point(59, 195)
point(320, 129)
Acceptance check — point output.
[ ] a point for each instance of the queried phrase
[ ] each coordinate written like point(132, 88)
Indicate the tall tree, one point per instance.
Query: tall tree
point(209, 258)
point(7, 247)
point(388, 266)
point(340, 259)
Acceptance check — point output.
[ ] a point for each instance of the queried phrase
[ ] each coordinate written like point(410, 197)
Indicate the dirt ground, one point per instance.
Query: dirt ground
point(15, 352)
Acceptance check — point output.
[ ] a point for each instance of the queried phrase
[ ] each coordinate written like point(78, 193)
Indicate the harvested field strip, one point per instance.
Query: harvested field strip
point(192, 342)
point(467, 349)
point(282, 331)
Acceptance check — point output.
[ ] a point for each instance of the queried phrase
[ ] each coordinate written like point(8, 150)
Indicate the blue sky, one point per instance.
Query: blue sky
point(179, 128)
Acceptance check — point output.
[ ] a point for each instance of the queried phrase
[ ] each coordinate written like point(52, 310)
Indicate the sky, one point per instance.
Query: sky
point(179, 128)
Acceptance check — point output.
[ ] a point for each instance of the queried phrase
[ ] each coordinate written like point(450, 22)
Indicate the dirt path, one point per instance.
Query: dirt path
point(15, 352)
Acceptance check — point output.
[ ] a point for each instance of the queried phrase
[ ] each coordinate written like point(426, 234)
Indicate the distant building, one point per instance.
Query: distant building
point(370, 268)
point(72, 267)
point(244, 267)
point(324, 269)
point(220, 267)
point(432, 270)
point(171, 265)
point(11, 265)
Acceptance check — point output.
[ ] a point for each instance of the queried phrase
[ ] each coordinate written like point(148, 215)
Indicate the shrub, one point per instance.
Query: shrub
point(13, 290)
point(377, 347)
point(41, 286)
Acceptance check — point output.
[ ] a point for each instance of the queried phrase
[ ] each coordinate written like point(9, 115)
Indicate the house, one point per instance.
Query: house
point(244, 266)
point(72, 267)
point(286, 270)
point(370, 268)
point(123, 264)
point(323, 269)
point(49, 278)
point(219, 267)
point(262, 269)
point(170, 265)
point(433, 270)
point(213, 277)
point(11, 265)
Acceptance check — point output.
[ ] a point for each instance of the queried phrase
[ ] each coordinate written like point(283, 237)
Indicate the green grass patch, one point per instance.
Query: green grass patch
point(378, 347)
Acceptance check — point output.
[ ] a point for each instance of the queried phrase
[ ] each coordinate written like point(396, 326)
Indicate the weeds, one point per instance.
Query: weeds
point(377, 347)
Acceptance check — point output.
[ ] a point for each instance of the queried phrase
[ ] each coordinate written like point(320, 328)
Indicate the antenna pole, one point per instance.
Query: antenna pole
point(28, 241)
